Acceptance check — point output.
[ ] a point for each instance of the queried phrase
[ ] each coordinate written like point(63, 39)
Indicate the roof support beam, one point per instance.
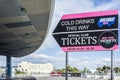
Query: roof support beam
point(8, 67)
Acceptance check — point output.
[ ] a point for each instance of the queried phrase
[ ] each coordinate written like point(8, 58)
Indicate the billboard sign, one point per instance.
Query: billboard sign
point(88, 31)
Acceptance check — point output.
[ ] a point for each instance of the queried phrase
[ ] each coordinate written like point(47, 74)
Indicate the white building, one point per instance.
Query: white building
point(2, 71)
point(35, 68)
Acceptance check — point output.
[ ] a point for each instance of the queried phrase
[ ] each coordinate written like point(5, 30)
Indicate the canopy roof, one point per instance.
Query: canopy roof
point(23, 25)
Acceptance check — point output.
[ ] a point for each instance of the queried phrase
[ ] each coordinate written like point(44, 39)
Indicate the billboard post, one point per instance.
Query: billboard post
point(66, 70)
point(112, 77)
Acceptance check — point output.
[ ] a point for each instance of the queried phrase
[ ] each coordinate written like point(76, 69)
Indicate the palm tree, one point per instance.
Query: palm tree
point(75, 70)
point(69, 68)
point(99, 69)
point(105, 69)
point(117, 70)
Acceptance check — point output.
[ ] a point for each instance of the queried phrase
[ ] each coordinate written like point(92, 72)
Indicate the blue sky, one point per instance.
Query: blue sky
point(50, 50)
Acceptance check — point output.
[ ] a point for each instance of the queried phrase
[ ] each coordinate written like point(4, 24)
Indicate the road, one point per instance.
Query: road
point(62, 78)
point(50, 78)
point(2, 78)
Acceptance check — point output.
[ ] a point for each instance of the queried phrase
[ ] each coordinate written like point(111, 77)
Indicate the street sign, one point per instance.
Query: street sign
point(88, 31)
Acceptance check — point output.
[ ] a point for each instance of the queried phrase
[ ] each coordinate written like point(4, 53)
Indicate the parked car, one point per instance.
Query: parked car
point(55, 74)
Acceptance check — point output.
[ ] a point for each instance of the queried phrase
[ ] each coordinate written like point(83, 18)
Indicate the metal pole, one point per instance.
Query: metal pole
point(111, 65)
point(66, 74)
point(8, 68)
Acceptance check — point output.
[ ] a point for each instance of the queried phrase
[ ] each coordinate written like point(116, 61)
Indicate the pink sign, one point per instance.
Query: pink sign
point(88, 31)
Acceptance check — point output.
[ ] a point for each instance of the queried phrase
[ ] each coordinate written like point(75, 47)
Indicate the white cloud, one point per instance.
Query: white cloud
point(60, 53)
point(73, 59)
point(105, 59)
point(85, 62)
point(85, 58)
point(114, 4)
point(48, 43)
point(39, 56)
point(33, 58)
point(72, 6)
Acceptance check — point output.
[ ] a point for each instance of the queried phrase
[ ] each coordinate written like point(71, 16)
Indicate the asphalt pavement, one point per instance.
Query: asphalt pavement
point(50, 78)
point(63, 78)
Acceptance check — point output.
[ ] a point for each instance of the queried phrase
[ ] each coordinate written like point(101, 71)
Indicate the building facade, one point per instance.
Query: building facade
point(35, 68)
point(2, 71)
